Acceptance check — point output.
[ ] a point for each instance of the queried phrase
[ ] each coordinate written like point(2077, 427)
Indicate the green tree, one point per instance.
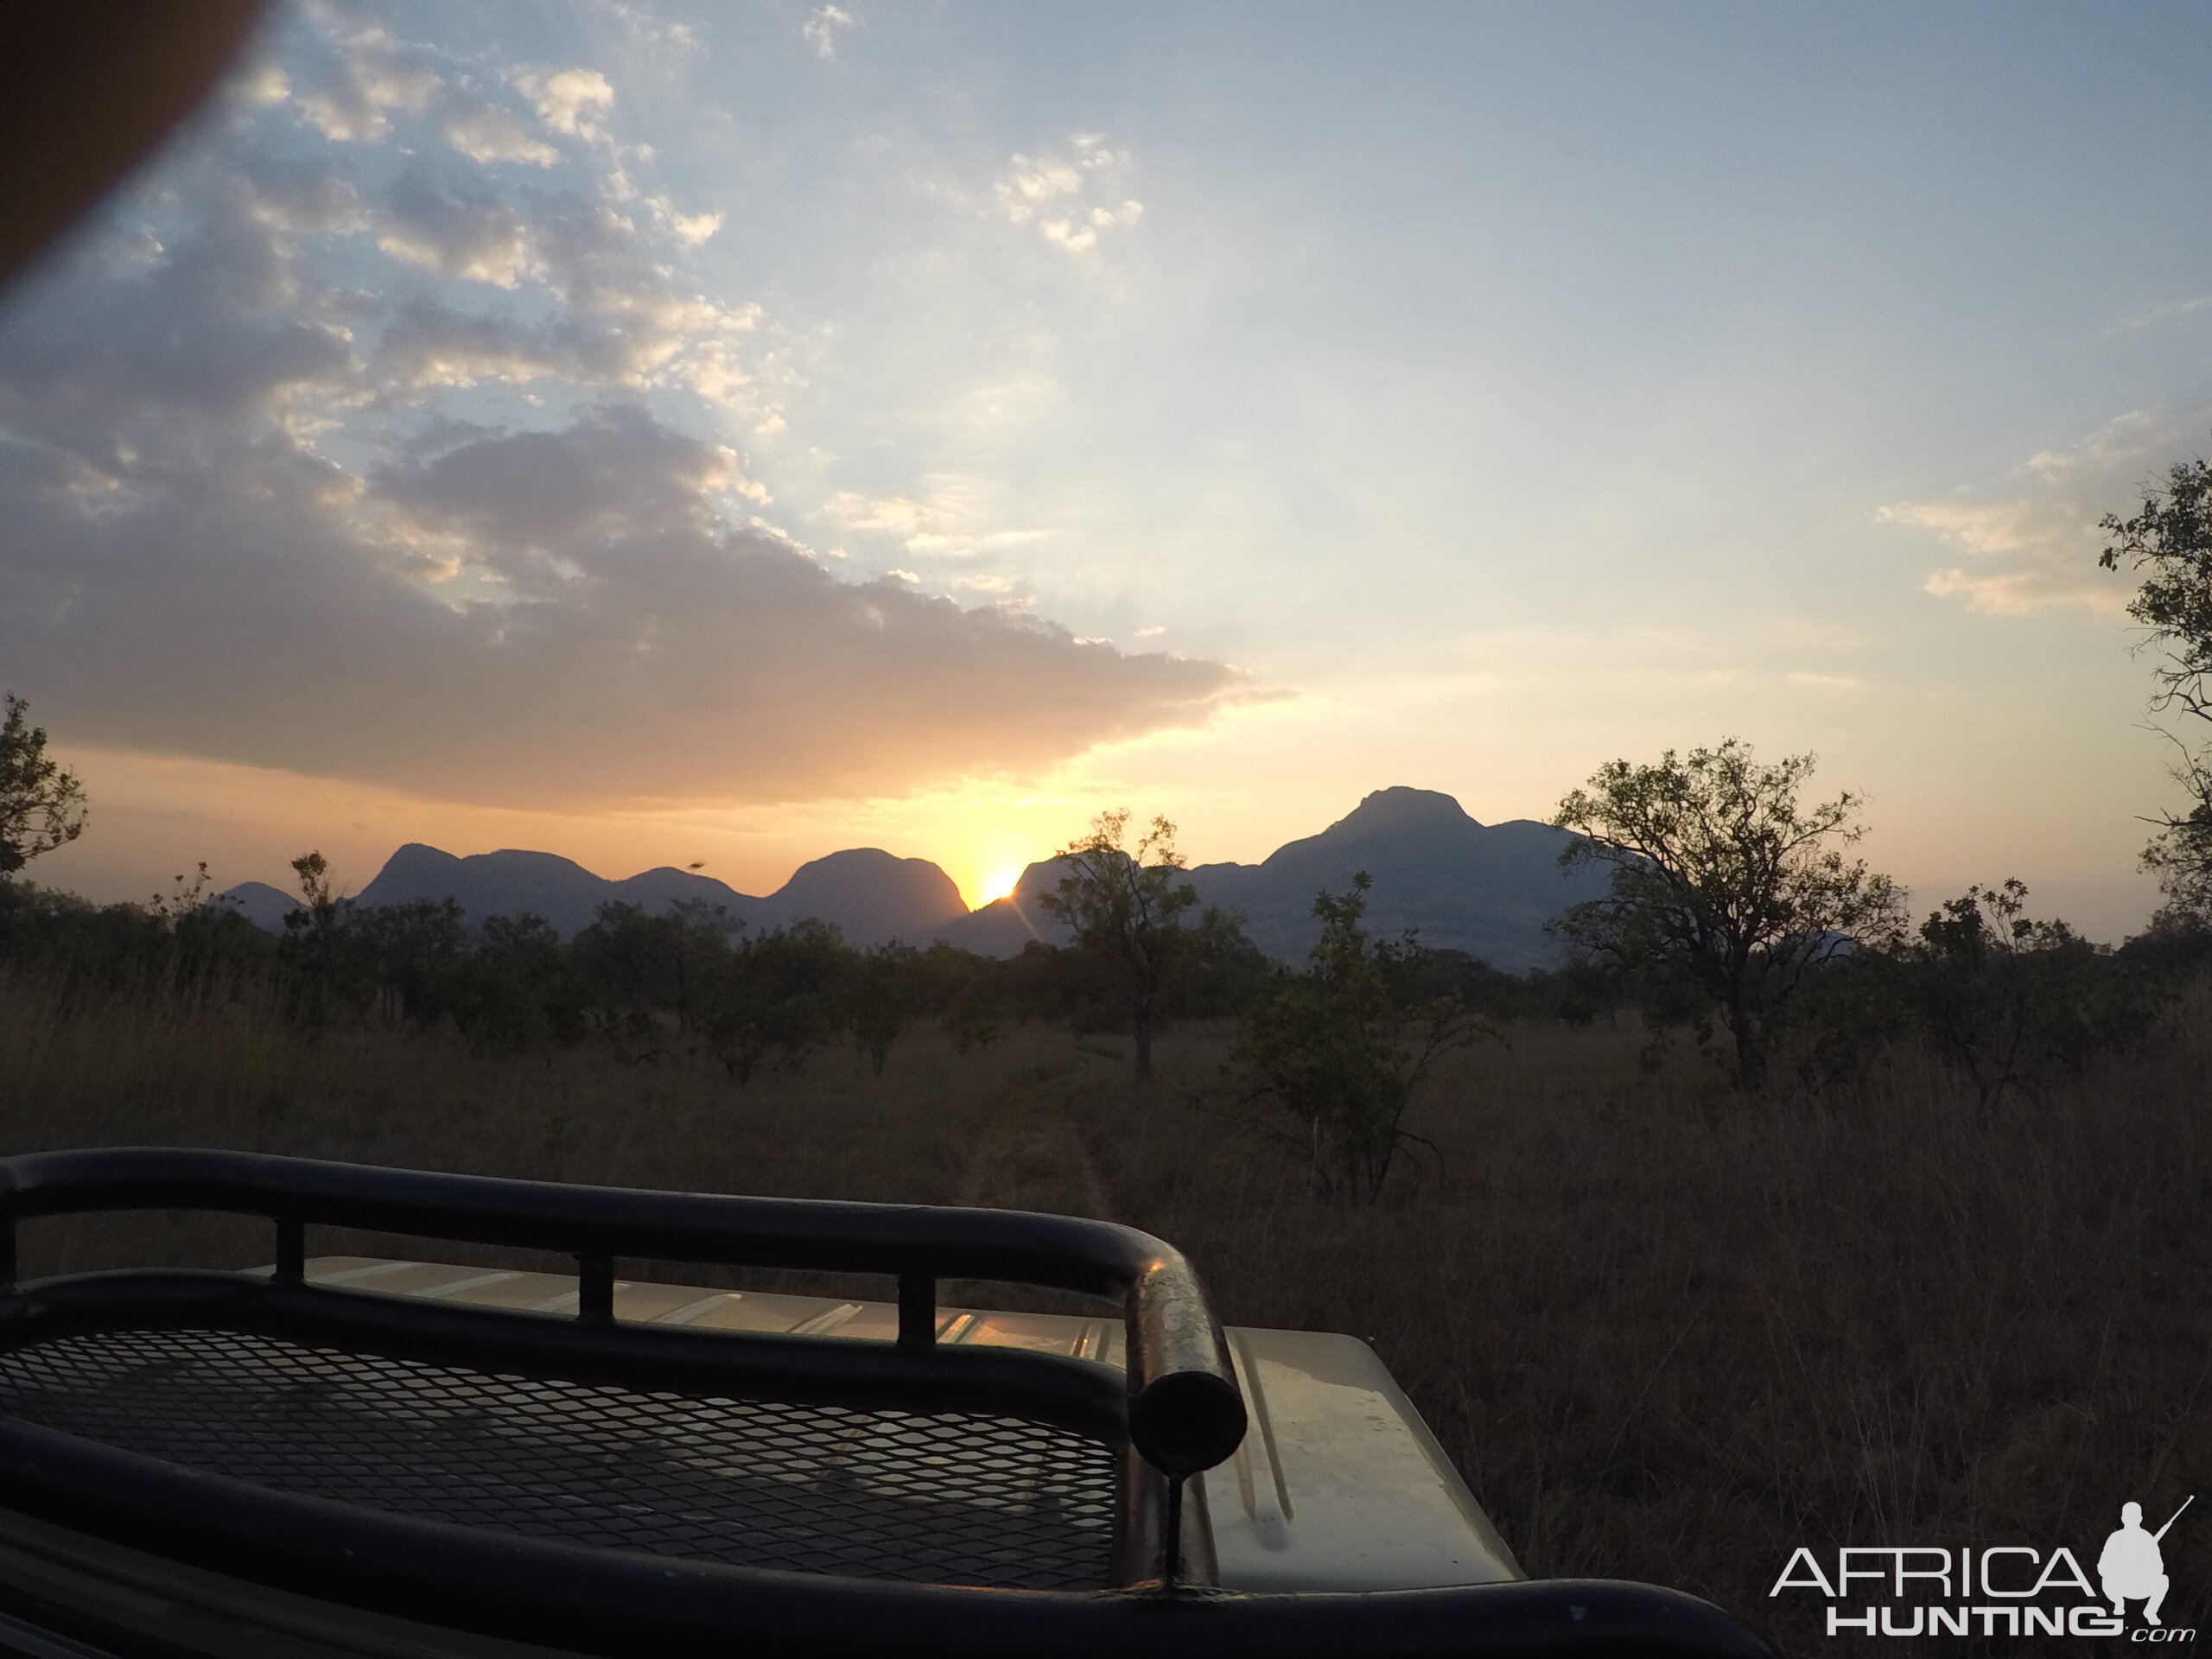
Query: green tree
point(2170, 541)
point(2003, 998)
point(1122, 907)
point(637, 965)
point(42, 805)
point(776, 992)
point(966, 993)
point(1219, 971)
point(1343, 1056)
point(518, 988)
point(973, 1018)
point(1724, 883)
point(414, 958)
point(883, 994)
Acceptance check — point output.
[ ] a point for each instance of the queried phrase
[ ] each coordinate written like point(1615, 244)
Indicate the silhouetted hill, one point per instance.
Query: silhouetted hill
point(867, 894)
point(1484, 889)
point(265, 906)
point(506, 883)
point(873, 896)
point(658, 889)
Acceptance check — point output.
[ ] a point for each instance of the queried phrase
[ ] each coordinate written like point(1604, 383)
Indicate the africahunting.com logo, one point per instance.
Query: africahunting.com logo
point(2005, 1590)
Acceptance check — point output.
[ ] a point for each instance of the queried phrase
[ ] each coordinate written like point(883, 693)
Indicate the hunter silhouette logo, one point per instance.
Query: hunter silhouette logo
point(2010, 1590)
point(2131, 1567)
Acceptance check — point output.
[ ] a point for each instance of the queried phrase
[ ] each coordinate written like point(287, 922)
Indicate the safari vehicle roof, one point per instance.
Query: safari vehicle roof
point(1339, 1485)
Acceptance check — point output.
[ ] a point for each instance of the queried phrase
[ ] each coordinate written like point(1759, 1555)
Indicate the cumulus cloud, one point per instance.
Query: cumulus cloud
point(457, 228)
point(611, 312)
point(2031, 541)
point(351, 92)
point(691, 229)
point(485, 132)
point(650, 32)
point(1071, 197)
point(275, 493)
point(821, 29)
point(573, 101)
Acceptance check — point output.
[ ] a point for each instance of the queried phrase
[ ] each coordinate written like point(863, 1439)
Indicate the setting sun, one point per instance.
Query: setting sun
point(996, 884)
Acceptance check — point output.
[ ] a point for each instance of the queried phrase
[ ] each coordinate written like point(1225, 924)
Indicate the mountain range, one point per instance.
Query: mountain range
point(1485, 889)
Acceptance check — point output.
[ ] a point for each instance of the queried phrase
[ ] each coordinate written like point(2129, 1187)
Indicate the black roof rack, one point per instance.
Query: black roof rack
point(612, 1487)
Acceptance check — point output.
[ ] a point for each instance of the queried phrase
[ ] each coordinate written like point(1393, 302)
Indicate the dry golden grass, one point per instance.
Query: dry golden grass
point(1667, 1332)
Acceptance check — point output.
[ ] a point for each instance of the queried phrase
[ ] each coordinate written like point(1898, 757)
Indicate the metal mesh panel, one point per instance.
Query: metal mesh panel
point(943, 1499)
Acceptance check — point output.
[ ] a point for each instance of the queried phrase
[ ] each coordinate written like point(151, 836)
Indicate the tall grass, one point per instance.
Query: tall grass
point(1671, 1333)
point(1668, 1332)
point(165, 1065)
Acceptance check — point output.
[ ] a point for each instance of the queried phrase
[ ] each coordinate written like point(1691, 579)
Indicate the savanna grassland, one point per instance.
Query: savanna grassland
point(1669, 1330)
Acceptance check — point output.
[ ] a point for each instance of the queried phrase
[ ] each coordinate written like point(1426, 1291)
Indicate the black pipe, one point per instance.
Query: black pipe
point(1185, 1412)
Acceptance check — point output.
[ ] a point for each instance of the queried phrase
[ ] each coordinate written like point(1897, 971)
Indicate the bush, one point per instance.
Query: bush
point(1342, 1055)
point(2006, 1000)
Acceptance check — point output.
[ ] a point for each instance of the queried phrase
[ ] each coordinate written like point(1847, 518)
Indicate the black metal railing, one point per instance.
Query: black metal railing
point(1185, 1413)
point(1179, 1412)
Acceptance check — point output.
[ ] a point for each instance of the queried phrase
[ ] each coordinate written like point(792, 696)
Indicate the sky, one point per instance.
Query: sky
point(664, 434)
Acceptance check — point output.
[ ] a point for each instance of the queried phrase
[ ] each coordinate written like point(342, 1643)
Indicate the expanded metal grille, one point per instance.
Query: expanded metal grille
point(941, 1499)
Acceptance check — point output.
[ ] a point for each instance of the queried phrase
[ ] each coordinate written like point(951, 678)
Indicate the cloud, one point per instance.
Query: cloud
point(275, 493)
point(2153, 316)
point(1071, 198)
point(895, 515)
point(537, 618)
point(821, 29)
point(151, 358)
point(264, 83)
point(652, 33)
point(2031, 543)
point(610, 311)
point(691, 229)
point(349, 94)
point(485, 132)
point(615, 472)
point(951, 522)
point(572, 101)
point(460, 228)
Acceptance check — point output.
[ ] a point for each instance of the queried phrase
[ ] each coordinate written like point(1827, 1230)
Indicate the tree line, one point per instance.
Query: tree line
point(1736, 910)
point(692, 982)
point(1744, 910)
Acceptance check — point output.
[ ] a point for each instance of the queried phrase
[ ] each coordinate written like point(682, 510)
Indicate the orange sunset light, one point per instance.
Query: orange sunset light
point(998, 882)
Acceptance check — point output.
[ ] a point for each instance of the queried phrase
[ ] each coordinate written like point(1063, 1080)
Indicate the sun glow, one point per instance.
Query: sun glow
point(996, 884)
